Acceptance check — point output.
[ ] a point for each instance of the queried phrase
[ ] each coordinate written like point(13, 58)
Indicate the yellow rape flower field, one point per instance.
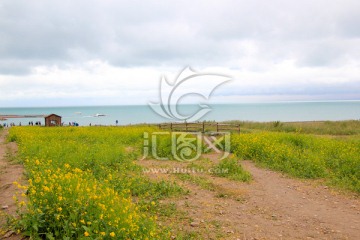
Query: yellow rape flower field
point(336, 160)
point(85, 183)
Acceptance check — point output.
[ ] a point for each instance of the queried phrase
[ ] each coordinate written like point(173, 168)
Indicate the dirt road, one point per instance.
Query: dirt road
point(9, 172)
point(271, 206)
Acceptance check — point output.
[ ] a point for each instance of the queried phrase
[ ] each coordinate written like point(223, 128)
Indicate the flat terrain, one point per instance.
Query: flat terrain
point(271, 206)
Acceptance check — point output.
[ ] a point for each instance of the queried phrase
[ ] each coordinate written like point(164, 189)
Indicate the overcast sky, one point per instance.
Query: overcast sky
point(58, 53)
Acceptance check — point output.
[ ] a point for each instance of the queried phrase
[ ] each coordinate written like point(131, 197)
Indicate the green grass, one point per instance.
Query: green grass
point(72, 171)
point(304, 156)
point(231, 169)
point(351, 127)
point(185, 149)
point(228, 168)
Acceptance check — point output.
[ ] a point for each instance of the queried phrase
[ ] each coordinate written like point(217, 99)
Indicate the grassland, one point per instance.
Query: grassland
point(327, 150)
point(305, 156)
point(85, 182)
point(338, 128)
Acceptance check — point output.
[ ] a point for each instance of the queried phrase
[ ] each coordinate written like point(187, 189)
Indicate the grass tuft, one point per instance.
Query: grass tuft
point(231, 169)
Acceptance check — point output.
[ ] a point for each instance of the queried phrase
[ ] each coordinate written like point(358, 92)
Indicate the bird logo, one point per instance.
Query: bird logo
point(187, 83)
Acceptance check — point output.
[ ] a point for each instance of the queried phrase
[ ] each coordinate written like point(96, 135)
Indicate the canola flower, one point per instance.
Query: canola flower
point(305, 156)
point(81, 184)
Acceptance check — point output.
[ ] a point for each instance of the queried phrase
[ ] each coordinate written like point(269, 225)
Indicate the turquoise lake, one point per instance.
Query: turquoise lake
point(133, 114)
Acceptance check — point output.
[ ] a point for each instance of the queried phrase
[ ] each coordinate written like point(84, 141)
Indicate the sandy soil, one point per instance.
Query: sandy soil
point(9, 172)
point(271, 206)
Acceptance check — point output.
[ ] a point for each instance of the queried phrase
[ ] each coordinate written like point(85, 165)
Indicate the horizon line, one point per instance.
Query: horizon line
point(182, 104)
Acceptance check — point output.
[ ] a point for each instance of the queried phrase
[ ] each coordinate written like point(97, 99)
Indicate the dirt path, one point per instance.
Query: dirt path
point(9, 172)
point(272, 206)
point(302, 208)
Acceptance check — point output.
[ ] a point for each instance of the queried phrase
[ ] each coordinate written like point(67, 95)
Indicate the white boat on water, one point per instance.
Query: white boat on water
point(99, 115)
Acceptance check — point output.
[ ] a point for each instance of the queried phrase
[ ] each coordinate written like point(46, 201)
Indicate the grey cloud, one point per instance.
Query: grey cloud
point(201, 33)
point(348, 88)
point(323, 53)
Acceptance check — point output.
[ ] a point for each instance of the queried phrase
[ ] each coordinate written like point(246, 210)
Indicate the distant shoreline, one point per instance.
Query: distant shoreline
point(257, 112)
point(186, 104)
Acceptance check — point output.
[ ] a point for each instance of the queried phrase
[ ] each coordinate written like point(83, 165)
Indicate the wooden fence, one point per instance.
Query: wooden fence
point(200, 127)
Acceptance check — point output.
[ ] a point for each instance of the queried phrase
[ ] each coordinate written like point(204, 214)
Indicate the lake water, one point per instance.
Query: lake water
point(133, 114)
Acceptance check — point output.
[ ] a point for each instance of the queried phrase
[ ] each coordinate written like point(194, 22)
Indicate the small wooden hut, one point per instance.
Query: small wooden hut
point(52, 120)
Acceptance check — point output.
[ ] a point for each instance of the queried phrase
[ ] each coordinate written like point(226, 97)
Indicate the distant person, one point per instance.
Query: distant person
point(116, 122)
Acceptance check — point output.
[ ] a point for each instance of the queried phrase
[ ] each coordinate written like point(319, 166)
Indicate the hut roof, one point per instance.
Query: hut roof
point(53, 114)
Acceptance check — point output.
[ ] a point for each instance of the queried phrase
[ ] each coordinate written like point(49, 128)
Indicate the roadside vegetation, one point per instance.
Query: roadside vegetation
point(351, 127)
point(304, 156)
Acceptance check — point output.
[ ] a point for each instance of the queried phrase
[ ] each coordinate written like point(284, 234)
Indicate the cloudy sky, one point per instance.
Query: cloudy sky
point(84, 52)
